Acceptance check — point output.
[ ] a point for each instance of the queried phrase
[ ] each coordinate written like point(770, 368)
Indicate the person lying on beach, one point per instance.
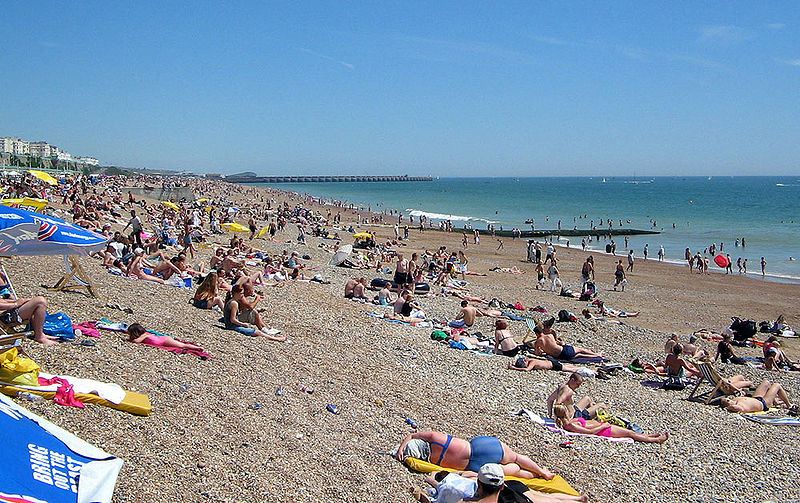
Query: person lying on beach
point(137, 333)
point(590, 427)
point(207, 294)
point(508, 270)
point(564, 395)
point(546, 344)
point(137, 265)
point(453, 487)
point(464, 296)
point(528, 364)
point(767, 395)
point(247, 322)
point(14, 312)
point(459, 454)
point(589, 316)
point(504, 343)
point(604, 310)
point(466, 317)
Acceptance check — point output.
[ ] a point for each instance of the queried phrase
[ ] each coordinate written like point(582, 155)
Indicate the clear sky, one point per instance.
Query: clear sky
point(443, 88)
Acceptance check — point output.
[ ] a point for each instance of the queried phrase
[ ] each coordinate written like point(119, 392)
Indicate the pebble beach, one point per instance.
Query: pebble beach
point(238, 427)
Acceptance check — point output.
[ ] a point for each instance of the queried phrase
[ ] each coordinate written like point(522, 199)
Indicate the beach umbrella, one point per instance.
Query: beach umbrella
point(45, 463)
point(170, 205)
point(26, 203)
point(362, 235)
point(41, 175)
point(341, 255)
point(235, 227)
point(23, 232)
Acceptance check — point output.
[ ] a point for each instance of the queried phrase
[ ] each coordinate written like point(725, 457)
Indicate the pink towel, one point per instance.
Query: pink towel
point(65, 395)
point(88, 328)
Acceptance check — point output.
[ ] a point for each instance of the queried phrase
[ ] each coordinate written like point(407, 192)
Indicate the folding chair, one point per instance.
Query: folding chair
point(713, 379)
point(75, 277)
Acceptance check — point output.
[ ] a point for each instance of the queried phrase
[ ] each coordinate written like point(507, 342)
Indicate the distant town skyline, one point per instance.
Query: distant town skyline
point(444, 89)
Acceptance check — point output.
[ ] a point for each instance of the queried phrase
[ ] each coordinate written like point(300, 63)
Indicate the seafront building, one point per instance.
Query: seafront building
point(17, 146)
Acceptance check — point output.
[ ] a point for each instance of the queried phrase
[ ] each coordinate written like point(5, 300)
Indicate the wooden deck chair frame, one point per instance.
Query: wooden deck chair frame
point(712, 377)
point(75, 277)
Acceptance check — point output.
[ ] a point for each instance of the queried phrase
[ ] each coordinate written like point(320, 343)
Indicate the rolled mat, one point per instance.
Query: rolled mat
point(557, 485)
point(133, 403)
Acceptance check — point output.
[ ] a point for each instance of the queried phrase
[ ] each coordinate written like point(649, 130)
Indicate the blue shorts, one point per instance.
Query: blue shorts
point(567, 353)
point(458, 324)
point(484, 450)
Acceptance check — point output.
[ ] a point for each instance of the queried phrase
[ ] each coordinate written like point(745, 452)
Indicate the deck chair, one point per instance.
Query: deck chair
point(10, 333)
point(712, 378)
point(530, 336)
point(75, 277)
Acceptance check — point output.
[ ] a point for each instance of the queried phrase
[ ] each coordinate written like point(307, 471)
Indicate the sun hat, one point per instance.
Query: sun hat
point(491, 474)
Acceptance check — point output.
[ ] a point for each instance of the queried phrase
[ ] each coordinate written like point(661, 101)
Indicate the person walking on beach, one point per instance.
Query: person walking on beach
point(729, 267)
point(661, 253)
point(739, 263)
point(552, 273)
point(619, 275)
point(763, 266)
point(499, 246)
point(477, 237)
point(135, 223)
point(644, 252)
point(630, 260)
point(744, 265)
point(587, 271)
point(464, 240)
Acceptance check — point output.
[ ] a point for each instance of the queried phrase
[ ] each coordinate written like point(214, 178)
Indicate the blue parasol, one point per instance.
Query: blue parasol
point(25, 233)
point(45, 463)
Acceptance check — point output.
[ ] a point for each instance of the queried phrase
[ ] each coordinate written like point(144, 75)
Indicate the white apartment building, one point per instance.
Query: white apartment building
point(41, 149)
point(15, 146)
point(91, 161)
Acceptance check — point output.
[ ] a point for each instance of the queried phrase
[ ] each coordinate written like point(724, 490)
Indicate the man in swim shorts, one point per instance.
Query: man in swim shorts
point(565, 395)
point(466, 318)
point(546, 344)
point(767, 395)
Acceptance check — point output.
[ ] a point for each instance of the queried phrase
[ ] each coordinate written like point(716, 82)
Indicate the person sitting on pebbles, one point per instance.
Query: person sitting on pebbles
point(247, 322)
point(767, 395)
point(546, 344)
point(590, 427)
point(504, 342)
point(564, 395)
point(448, 451)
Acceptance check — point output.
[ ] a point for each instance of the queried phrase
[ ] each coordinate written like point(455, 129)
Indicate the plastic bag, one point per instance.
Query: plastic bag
point(17, 369)
point(58, 325)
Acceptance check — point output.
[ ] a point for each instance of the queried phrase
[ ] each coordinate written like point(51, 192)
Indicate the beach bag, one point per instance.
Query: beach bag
point(58, 325)
point(742, 329)
point(563, 316)
point(18, 369)
point(438, 335)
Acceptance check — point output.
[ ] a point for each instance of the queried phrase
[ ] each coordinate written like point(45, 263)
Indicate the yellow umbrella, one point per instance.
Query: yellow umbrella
point(170, 205)
point(203, 200)
point(362, 235)
point(233, 226)
point(41, 175)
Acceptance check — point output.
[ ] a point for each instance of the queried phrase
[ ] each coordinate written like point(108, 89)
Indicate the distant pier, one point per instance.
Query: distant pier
point(324, 179)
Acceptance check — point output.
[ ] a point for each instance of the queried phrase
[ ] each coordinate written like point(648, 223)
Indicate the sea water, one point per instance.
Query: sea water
point(765, 211)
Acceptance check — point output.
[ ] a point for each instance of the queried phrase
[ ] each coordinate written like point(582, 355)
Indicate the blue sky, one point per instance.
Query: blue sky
point(442, 88)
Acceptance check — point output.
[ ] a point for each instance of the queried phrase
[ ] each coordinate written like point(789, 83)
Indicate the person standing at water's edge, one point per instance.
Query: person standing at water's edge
point(630, 260)
point(763, 266)
point(644, 252)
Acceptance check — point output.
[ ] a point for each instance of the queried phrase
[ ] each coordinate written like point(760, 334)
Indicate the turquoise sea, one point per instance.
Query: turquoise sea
point(763, 210)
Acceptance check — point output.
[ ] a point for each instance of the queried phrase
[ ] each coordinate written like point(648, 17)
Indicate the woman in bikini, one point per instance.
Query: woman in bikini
point(137, 264)
point(565, 421)
point(504, 343)
point(459, 454)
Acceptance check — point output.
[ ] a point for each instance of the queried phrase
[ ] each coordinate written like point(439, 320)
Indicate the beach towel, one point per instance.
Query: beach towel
point(557, 485)
point(106, 324)
point(65, 394)
point(775, 421)
point(550, 425)
point(87, 328)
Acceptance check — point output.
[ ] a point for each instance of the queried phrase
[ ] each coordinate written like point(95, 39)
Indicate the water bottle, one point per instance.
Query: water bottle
point(332, 408)
point(24, 395)
point(411, 422)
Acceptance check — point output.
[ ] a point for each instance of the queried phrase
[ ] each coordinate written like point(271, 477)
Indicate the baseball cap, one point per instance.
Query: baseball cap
point(491, 474)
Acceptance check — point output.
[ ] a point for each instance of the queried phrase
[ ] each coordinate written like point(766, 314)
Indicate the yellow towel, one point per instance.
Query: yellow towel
point(557, 485)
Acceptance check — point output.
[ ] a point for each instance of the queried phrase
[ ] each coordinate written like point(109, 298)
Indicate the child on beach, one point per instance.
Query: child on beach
point(137, 333)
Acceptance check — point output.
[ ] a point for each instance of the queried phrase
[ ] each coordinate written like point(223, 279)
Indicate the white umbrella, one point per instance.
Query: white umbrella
point(341, 255)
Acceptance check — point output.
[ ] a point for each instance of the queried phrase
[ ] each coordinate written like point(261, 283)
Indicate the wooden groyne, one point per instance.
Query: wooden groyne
point(324, 179)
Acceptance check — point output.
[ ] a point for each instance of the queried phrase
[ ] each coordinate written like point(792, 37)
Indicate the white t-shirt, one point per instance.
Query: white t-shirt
point(454, 488)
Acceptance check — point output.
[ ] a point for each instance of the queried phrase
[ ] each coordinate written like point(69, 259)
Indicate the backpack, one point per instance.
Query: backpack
point(742, 329)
